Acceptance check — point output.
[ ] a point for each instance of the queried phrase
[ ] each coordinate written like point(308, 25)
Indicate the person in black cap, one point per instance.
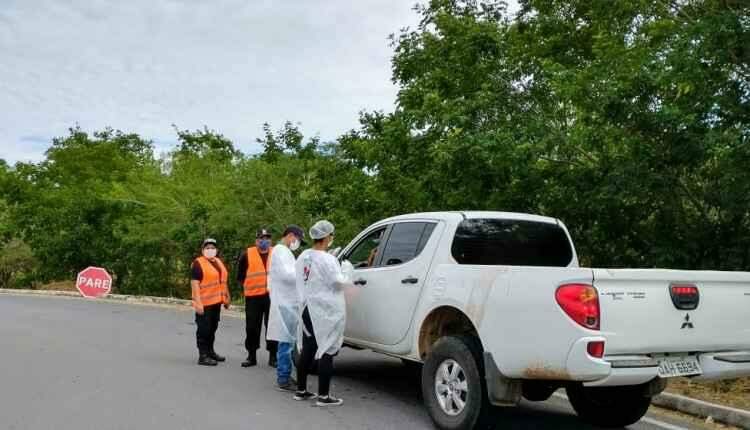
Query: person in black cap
point(252, 276)
point(285, 303)
point(208, 283)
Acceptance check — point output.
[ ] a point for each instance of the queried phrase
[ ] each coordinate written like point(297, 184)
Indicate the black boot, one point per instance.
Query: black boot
point(251, 361)
point(216, 356)
point(205, 360)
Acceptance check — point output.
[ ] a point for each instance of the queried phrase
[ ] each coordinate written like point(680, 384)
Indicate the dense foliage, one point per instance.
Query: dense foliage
point(628, 120)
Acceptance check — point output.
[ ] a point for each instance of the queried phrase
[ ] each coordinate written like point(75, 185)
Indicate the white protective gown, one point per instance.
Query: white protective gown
point(285, 309)
point(321, 282)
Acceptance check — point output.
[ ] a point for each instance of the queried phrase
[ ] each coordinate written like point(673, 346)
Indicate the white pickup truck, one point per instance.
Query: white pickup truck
point(495, 306)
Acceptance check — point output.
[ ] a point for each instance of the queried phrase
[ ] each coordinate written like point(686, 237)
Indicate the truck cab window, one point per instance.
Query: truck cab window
point(406, 241)
point(512, 243)
point(364, 254)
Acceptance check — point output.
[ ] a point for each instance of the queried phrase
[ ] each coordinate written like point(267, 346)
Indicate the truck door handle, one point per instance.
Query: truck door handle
point(360, 281)
point(410, 280)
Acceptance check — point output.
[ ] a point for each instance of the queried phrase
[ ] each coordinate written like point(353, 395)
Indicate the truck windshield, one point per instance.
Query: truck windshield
point(512, 243)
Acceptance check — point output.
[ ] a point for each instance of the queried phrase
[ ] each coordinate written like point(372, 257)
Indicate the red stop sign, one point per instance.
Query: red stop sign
point(94, 282)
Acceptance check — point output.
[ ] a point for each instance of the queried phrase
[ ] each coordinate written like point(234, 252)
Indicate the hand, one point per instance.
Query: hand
point(198, 308)
point(226, 306)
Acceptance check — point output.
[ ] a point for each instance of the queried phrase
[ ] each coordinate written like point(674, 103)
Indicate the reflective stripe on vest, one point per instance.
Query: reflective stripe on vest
point(213, 286)
point(256, 277)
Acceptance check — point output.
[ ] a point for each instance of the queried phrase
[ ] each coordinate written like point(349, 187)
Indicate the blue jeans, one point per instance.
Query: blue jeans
point(284, 365)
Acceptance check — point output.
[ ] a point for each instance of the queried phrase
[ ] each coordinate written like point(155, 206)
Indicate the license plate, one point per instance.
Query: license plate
point(670, 367)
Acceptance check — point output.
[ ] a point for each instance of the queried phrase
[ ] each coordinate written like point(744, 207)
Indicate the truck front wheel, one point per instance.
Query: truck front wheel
point(453, 385)
point(609, 406)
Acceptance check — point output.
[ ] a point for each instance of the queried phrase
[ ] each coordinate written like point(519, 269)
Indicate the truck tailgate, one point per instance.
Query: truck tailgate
point(638, 315)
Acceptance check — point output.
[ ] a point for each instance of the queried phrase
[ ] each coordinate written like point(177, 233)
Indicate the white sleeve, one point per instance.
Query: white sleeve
point(334, 274)
point(286, 270)
point(299, 274)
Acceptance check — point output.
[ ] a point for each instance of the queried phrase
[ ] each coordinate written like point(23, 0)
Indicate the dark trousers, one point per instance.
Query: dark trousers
point(307, 357)
point(256, 314)
point(207, 325)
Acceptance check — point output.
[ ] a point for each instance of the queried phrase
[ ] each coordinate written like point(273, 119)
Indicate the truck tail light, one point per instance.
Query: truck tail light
point(596, 349)
point(581, 303)
point(684, 296)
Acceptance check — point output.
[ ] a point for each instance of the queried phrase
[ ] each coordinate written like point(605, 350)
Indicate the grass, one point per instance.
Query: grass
point(58, 286)
point(729, 392)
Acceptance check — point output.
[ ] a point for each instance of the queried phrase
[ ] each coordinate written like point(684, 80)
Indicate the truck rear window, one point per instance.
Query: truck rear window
point(511, 243)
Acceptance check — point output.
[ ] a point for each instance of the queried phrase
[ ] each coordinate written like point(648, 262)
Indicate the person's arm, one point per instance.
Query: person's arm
point(196, 291)
point(333, 271)
point(286, 269)
point(299, 281)
point(241, 270)
point(371, 257)
point(196, 276)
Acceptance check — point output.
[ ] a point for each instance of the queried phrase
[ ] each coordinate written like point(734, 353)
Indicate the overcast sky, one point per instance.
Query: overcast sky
point(143, 65)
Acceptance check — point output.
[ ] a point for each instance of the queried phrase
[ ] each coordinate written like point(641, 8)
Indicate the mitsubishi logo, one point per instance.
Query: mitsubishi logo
point(687, 323)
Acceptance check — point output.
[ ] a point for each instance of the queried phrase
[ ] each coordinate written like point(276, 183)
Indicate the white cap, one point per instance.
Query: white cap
point(321, 229)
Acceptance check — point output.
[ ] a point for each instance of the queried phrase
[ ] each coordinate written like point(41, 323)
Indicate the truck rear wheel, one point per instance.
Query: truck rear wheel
point(453, 385)
point(609, 406)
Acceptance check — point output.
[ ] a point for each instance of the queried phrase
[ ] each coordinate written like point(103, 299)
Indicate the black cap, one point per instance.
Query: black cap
point(208, 241)
point(262, 233)
point(297, 231)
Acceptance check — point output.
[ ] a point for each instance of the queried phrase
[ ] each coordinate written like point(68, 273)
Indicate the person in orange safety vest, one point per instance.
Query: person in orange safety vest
point(252, 277)
point(208, 282)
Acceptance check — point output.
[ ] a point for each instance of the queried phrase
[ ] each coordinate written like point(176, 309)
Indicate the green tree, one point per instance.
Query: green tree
point(652, 97)
point(61, 205)
point(628, 121)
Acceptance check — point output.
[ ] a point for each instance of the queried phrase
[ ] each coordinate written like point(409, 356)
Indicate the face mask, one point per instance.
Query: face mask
point(264, 244)
point(295, 245)
point(209, 253)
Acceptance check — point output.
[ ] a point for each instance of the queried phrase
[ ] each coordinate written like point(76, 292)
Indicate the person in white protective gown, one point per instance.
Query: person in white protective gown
point(285, 303)
point(321, 281)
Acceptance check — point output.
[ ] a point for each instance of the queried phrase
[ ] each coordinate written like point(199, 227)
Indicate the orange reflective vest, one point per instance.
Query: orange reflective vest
point(213, 286)
point(256, 277)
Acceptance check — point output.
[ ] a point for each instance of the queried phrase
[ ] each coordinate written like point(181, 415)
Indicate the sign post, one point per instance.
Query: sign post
point(94, 282)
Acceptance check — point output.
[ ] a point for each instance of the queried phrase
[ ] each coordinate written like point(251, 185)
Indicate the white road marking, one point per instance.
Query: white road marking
point(646, 420)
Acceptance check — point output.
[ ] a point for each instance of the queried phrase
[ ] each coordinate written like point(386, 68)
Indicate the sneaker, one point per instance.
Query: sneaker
point(290, 386)
point(329, 401)
point(304, 395)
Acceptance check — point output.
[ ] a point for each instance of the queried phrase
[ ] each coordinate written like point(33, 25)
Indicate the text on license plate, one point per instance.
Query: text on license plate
point(670, 367)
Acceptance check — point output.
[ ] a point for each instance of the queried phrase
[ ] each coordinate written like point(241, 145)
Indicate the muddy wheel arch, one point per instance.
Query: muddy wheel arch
point(443, 321)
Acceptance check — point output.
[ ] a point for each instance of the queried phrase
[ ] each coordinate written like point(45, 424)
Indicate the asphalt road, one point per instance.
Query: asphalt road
point(77, 364)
